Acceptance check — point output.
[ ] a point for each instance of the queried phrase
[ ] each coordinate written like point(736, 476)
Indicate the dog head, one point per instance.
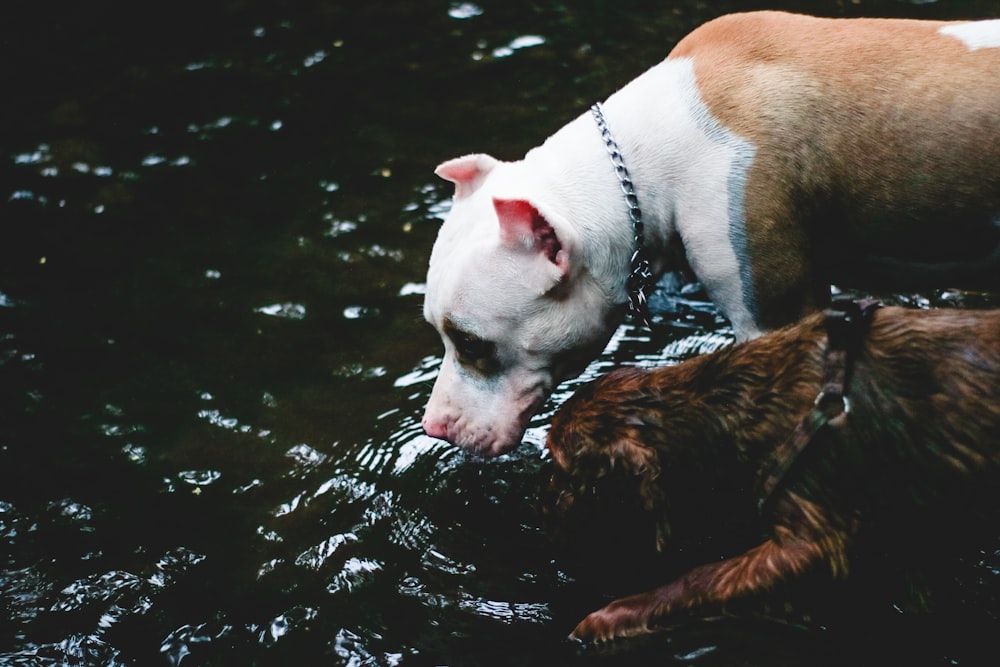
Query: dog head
point(518, 310)
point(602, 463)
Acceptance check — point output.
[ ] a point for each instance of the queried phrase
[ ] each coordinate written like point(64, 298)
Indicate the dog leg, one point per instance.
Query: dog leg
point(781, 558)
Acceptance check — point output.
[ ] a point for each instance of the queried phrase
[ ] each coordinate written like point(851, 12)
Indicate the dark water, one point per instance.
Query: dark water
point(214, 228)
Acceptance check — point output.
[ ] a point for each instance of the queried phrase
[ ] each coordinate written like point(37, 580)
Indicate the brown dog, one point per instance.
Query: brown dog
point(750, 426)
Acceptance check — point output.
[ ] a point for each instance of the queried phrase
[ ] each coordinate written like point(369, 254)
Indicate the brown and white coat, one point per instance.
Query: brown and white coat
point(776, 153)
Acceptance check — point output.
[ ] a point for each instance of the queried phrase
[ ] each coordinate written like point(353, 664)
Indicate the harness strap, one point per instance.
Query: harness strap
point(846, 323)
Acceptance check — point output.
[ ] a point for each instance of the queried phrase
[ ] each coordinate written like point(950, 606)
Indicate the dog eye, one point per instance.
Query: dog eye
point(472, 350)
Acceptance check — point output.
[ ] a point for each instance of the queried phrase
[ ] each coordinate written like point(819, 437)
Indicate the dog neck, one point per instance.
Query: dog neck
point(746, 397)
point(641, 280)
point(652, 119)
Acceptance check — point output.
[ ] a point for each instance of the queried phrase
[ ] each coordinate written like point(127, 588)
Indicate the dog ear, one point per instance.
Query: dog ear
point(643, 463)
point(466, 172)
point(521, 225)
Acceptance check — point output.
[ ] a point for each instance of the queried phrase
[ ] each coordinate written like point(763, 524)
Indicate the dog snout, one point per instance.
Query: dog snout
point(484, 442)
point(435, 428)
point(557, 497)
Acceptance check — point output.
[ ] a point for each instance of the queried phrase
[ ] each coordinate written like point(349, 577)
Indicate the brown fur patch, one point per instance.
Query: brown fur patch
point(870, 135)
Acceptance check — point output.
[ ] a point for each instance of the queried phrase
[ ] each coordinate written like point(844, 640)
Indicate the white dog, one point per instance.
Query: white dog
point(776, 153)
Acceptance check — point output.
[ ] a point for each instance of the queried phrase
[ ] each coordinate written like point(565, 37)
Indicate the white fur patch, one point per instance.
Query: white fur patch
point(977, 34)
point(738, 155)
point(705, 166)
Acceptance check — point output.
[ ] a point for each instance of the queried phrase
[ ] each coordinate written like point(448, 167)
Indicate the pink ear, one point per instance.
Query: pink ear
point(521, 224)
point(466, 172)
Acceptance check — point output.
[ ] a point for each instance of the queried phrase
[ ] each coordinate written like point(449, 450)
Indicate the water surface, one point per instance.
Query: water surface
point(214, 230)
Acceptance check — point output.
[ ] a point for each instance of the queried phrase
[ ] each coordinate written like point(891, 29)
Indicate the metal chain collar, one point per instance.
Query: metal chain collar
point(641, 281)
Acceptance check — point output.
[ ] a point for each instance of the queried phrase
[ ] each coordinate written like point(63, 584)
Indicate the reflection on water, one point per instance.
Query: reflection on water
point(212, 358)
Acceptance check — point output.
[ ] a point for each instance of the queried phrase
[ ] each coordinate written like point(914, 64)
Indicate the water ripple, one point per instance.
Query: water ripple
point(507, 612)
point(305, 457)
point(434, 560)
point(288, 310)
point(426, 371)
point(351, 649)
point(23, 592)
point(516, 44)
point(357, 572)
point(77, 649)
point(115, 585)
point(316, 557)
point(296, 617)
point(177, 645)
point(199, 477)
point(464, 10)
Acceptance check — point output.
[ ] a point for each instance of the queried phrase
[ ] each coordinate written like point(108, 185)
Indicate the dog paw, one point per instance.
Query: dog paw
point(615, 621)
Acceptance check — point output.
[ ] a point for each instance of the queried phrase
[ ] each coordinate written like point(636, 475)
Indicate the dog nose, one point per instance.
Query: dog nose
point(435, 428)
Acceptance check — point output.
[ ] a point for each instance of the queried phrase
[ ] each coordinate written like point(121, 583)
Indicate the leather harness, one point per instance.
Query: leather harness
point(846, 323)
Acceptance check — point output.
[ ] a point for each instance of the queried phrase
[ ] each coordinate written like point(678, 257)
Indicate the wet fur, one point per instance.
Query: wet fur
point(924, 430)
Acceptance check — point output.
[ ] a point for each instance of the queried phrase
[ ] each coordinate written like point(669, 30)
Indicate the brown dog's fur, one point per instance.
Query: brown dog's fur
point(923, 427)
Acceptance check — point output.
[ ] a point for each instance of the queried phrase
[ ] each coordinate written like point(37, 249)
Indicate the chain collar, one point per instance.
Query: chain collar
point(641, 281)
